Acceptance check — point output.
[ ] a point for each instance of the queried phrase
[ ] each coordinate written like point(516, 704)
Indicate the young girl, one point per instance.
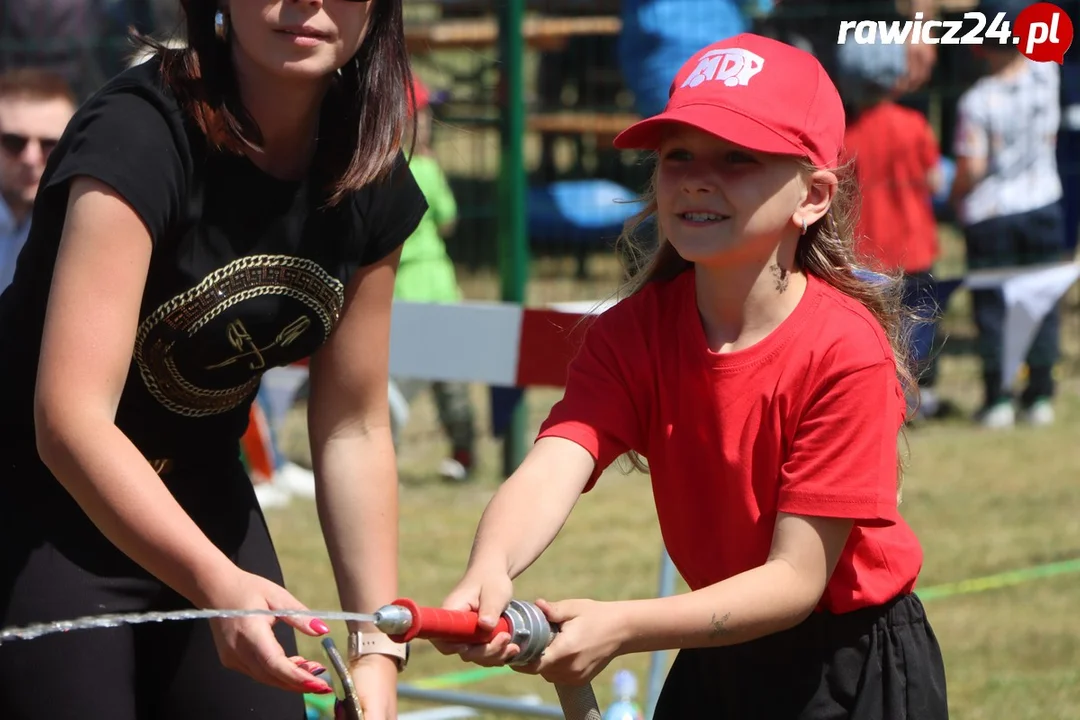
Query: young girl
point(208, 214)
point(761, 378)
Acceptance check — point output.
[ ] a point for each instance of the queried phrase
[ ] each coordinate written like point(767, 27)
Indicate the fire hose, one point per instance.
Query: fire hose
point(528, 627)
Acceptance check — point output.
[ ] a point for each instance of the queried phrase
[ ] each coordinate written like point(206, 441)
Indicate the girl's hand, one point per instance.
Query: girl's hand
point(375, 678)
point(248, 644)
point(590, 635)
point(487, 593)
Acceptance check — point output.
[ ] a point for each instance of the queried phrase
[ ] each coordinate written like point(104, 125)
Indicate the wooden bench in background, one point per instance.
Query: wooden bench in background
point(604, 125)
point(479, 8)
point(586, 122)
point(543, 33)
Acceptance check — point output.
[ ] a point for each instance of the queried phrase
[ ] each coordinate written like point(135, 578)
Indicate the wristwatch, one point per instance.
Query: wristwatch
point(361, 644)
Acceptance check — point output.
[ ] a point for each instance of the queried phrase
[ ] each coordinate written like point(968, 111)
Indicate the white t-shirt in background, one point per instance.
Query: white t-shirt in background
point(1012, 121)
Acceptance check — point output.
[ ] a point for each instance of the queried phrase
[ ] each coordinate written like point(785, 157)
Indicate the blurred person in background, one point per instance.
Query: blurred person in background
point(660, 34)
point(74, 38)
point(35, 107)
point(1007, 195)
point(895, 158)
point(814, 26)
point(426, 275)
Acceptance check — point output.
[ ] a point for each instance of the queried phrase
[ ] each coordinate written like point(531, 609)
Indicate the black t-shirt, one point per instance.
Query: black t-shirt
point(247, 271)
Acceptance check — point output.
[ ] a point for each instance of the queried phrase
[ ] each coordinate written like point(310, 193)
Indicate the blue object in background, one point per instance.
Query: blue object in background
point(870, 276)
point(658, 36)
point(580, 210)
point(941, 198)
point(503, 402)
point(625, 707)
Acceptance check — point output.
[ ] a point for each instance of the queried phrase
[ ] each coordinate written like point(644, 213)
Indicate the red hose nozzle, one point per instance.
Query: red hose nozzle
point(404, 620)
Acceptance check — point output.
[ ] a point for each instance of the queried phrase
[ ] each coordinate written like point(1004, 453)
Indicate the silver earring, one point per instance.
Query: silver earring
point(804, 226)
point(221, 26)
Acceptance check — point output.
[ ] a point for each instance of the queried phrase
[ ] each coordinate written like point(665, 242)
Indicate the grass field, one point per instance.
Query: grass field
point(982, 503)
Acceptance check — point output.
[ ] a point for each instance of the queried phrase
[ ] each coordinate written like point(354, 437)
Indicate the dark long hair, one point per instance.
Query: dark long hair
point(370, 96)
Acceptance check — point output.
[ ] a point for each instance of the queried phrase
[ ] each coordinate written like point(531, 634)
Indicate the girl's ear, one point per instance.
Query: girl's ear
point(820, 191)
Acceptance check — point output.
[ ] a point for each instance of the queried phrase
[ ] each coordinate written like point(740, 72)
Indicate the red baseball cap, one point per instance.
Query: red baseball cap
point(756, 92)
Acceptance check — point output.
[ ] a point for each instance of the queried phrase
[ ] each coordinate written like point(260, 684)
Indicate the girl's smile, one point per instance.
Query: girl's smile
point(715, 198)
point(701, 218)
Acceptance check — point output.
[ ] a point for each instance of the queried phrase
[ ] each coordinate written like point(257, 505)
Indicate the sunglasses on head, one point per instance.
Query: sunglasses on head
point(15, 144)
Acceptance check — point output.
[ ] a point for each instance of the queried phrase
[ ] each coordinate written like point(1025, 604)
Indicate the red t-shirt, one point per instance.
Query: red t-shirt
point(806, 421)
point(894, 150)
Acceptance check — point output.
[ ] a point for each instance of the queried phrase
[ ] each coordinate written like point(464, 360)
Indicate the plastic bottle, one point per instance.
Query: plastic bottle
point(624, 707)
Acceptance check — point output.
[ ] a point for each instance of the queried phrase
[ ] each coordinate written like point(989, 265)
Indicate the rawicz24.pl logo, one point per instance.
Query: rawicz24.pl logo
point(1041, 32)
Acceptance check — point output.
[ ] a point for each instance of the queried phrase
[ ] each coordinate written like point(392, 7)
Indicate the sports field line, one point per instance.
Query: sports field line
point(1000, 580)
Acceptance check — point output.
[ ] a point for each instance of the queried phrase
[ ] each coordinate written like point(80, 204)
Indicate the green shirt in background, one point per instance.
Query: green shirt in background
point(426, 273)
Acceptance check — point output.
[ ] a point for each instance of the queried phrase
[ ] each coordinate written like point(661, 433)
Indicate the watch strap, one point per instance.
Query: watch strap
point(361, 644)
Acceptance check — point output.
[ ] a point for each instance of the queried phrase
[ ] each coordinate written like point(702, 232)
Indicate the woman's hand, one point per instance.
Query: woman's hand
point(248, 644)
point(486, 592)
point(590, 635)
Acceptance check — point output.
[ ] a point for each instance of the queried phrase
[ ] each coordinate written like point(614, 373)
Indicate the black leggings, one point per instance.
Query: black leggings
point(55, 565)
point(878, 663)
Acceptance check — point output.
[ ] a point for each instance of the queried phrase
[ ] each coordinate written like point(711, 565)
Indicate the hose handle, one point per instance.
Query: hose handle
point(461, 626)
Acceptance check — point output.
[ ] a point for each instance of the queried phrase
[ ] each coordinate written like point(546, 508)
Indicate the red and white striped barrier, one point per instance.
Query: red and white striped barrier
point(500, 344)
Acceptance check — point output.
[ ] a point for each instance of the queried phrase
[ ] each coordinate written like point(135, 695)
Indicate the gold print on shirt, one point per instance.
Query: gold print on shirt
point(169, 332)
point(240, 339)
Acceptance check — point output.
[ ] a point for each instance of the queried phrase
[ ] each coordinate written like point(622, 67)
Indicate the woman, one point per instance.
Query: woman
point(208, 214)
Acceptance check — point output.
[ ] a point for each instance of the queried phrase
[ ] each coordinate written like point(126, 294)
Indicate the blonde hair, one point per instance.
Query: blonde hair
point(826, 251)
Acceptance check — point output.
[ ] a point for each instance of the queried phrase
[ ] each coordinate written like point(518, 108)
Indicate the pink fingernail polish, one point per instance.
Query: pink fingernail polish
point(317, 686)
point(319, 626)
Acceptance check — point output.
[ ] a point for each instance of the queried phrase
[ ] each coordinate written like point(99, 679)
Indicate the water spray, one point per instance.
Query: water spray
point(95, 622)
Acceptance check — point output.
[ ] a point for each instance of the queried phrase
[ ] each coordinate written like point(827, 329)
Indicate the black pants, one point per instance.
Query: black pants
point(454, 406)
point(1029, 238)
point(55, 565)
point(920, 299)
point(879, 663)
